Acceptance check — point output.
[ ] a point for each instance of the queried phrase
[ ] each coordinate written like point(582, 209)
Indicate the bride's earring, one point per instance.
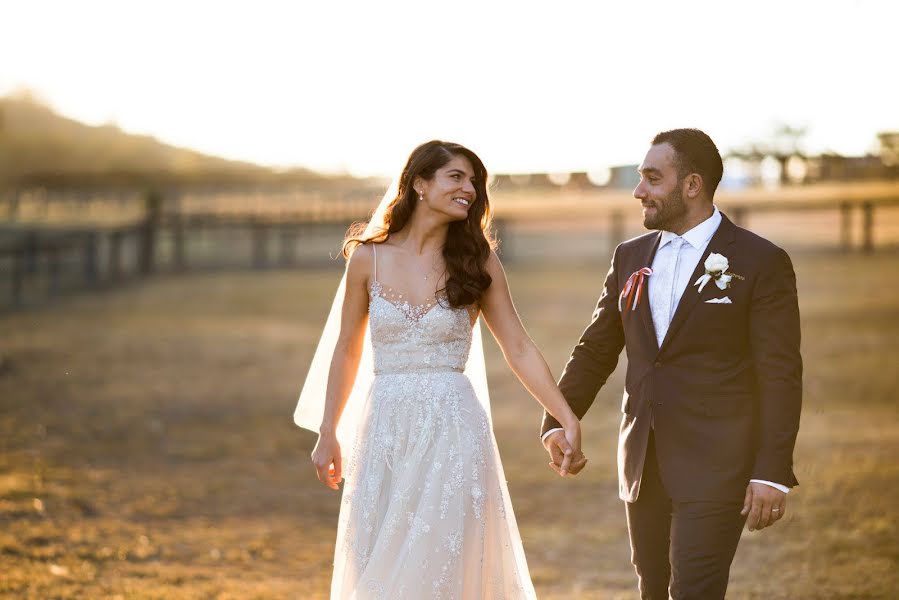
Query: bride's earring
point(421, 196)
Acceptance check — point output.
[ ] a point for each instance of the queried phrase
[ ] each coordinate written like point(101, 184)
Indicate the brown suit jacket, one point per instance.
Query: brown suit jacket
point(724, 391)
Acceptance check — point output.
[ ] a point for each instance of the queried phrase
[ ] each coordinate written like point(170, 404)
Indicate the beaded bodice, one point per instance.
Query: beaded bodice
point(408, 338)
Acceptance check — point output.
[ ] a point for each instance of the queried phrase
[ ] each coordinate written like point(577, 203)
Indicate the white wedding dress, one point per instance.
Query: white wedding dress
point(425, 511)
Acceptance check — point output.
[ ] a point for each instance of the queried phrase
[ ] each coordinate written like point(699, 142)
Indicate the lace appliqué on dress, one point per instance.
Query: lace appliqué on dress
point(423, 512)
point(413, 312)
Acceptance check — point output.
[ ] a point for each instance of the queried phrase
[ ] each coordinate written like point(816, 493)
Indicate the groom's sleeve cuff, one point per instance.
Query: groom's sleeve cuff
point(776, 486)
point(546, 435)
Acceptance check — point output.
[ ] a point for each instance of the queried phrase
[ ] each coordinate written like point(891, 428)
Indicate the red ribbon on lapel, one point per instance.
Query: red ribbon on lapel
point(634, 288)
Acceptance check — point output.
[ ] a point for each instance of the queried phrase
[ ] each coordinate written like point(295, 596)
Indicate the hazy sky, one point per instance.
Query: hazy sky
point(570, 85)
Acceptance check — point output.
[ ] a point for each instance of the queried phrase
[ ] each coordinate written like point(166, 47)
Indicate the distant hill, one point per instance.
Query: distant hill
point(40, 147)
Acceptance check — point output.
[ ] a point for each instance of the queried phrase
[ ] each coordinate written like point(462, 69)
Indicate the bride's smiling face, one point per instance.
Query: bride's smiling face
point(451, 190)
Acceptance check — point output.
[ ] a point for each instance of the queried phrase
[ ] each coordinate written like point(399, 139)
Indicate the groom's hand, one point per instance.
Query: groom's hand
point(764, 504)
point(562, 455)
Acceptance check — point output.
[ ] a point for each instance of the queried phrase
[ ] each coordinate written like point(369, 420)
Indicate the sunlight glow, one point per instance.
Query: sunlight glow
point(352, 86)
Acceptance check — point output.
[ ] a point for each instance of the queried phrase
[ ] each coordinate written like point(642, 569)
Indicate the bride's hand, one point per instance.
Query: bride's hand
point(566, 463)
point(326, 458)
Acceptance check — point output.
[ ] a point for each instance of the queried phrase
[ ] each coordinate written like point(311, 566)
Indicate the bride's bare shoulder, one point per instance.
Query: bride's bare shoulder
point(361, 262)
point(494, 264)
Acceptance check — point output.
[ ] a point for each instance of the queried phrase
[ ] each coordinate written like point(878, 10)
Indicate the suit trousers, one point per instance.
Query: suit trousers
point(687, 546)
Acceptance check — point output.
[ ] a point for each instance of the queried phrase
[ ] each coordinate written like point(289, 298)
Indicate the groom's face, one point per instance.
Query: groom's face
point(659, 190)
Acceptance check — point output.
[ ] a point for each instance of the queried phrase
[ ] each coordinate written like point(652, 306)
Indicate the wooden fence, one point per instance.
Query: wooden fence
point(39, 263)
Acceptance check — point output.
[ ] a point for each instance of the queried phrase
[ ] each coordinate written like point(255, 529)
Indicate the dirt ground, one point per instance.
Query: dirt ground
point(147, 448)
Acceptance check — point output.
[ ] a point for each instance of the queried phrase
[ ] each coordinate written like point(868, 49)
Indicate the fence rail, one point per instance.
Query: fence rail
point(41, 262)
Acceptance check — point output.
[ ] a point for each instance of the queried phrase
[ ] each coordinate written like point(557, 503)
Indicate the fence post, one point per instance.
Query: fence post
point(288, 244)
point(13, 205)
point(148, 231)
point(616, 230)
point(179, 255)
point(53, 267)
point(90, 258)
point(29, 253)
point(867, 227)
point(260, 238)
point(115, 254)
point(18, 273)
point(846, 226)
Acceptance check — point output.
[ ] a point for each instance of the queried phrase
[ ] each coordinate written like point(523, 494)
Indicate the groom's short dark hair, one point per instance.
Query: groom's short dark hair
point(696, 153)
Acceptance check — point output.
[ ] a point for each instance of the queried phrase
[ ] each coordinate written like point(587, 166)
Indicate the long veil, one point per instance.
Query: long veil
point(311, 404)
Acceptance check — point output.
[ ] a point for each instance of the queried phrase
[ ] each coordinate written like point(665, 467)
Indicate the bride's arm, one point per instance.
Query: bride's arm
point(523, 355)
point(344, 364)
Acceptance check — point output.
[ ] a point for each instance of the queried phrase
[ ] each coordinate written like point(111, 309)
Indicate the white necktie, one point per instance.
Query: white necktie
point(664, 289)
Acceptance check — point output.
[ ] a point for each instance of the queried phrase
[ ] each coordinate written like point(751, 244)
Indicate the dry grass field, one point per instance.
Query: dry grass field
point(147, 449)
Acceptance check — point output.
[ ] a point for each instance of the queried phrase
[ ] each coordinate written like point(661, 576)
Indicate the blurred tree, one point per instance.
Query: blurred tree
point(889, 151)
point(41, 148)
point(785, 145)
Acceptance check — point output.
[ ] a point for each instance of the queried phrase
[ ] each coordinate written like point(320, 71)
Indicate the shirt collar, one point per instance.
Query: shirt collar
point(699, 235)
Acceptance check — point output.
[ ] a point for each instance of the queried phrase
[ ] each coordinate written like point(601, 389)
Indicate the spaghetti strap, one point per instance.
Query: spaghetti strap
point(374, 248)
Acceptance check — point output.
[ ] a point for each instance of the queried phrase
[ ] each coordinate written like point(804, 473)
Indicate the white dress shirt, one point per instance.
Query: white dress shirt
point(695, 242)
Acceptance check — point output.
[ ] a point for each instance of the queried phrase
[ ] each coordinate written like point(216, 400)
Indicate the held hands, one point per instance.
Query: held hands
point(564, 449)
point(764, 504)
point(326, 458)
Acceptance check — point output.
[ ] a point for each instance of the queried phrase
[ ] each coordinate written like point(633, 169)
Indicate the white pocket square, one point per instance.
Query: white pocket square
point(725, 300)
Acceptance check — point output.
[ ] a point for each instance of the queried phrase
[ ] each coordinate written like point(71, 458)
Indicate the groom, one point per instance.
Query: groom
point(709, 316)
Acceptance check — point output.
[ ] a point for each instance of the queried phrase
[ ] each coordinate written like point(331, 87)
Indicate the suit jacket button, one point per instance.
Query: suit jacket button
point(658, 364)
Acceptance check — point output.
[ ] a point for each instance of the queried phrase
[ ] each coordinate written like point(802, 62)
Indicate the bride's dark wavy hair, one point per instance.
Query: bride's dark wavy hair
point(468, 241)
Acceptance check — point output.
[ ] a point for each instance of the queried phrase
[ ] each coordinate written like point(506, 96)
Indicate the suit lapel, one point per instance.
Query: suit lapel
point(719, 243)
point(644, 315)
point(643, 309)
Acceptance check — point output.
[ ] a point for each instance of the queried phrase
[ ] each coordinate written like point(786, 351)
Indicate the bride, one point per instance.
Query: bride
point(404, 414)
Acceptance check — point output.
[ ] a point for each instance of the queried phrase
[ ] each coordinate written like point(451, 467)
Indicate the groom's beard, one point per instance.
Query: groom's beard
point(667, 212)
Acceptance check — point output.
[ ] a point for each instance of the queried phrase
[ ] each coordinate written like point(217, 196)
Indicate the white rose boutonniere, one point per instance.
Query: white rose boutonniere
point(716, 263)
point(716, 266)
